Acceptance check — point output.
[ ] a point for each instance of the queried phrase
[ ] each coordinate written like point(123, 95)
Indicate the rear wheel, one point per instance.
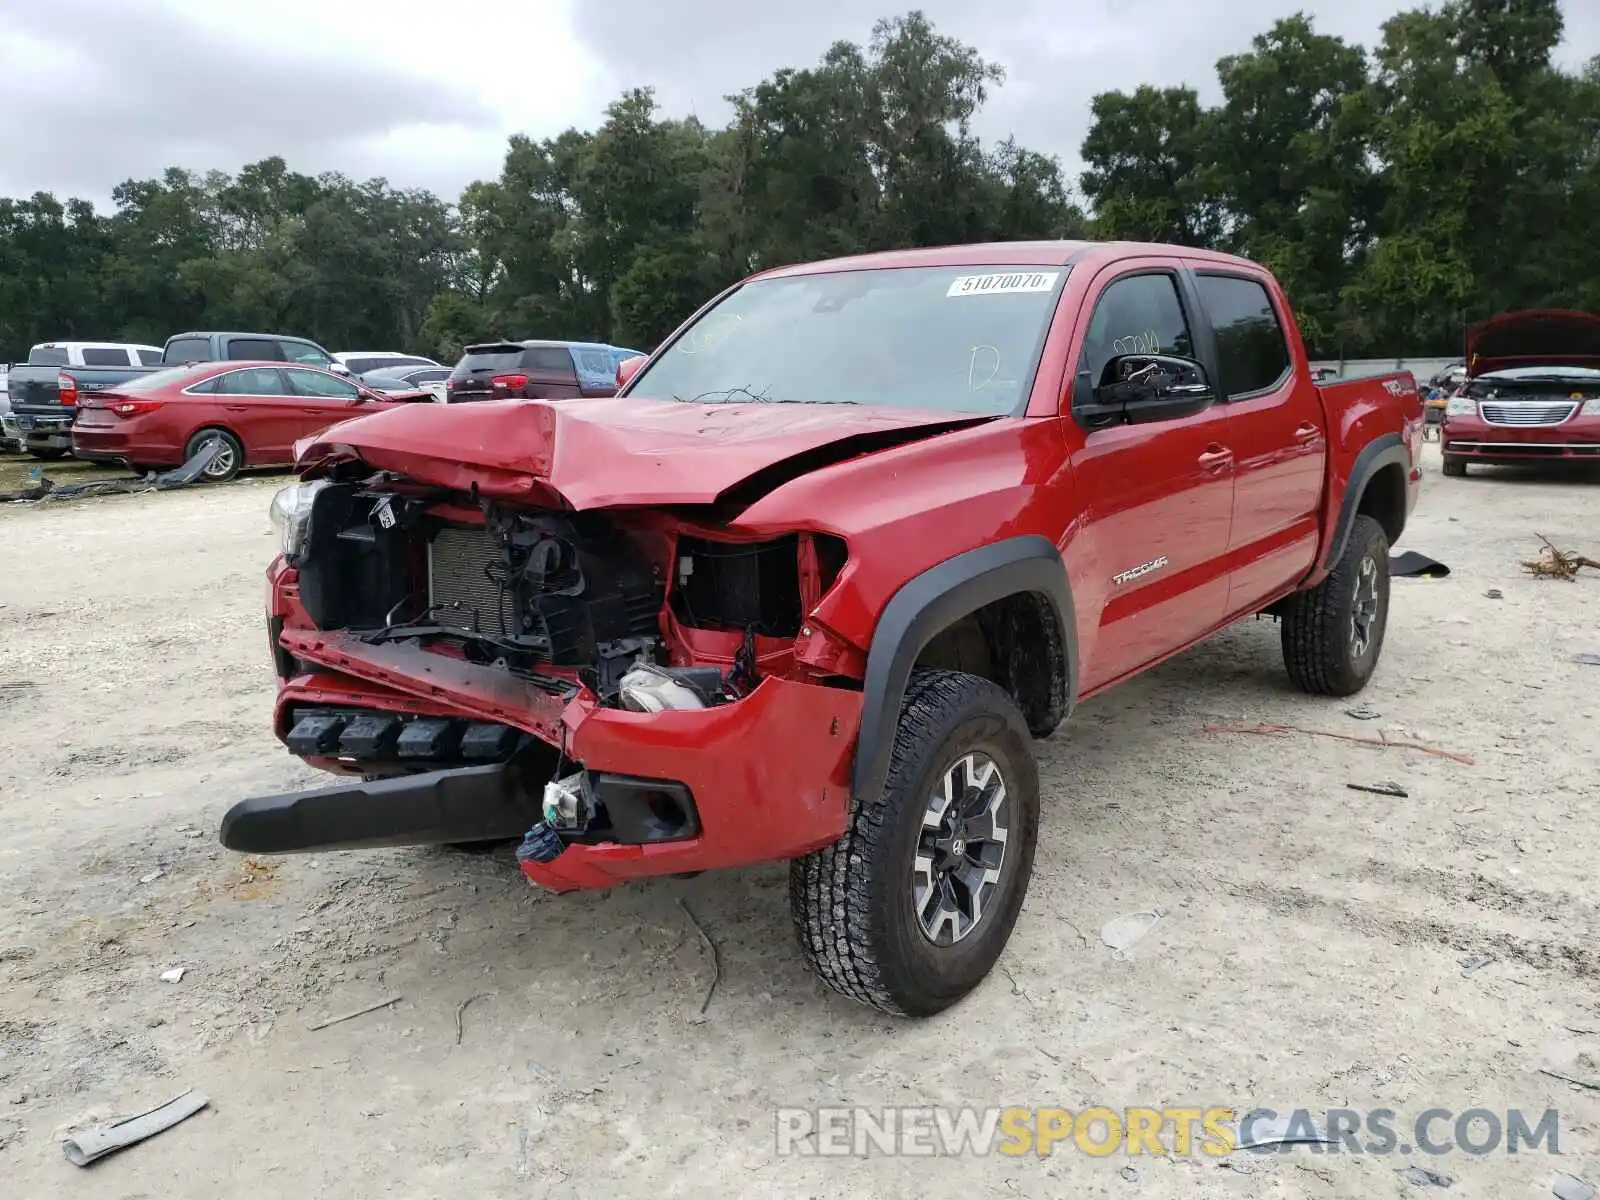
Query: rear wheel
point(227, 462)
point(911, 908)
point(1333, 634)
point(1455, 466)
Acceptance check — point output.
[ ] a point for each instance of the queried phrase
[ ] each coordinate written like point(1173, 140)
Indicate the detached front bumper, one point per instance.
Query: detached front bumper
point(766, 777)
point(1577, 438)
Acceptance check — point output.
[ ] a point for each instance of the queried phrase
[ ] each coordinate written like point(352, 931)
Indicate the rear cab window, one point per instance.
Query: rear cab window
point(255, 350)
point(184, 350)
point(105, 356)
point(1252, 352)
point(47, 356)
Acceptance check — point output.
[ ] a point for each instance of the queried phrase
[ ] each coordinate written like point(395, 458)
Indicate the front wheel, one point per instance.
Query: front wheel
point(911, 908)
point(1455, 466)
point(1333, 634)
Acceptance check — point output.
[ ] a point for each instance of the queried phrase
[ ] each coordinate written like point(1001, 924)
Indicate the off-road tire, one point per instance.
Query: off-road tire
point(233, 463)
point(852, 902)
point(1319, 648)
point(1454, 466)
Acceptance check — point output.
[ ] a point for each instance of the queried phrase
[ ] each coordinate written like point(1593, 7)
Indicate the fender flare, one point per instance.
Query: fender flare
point(931, 601)
point(1380, 452)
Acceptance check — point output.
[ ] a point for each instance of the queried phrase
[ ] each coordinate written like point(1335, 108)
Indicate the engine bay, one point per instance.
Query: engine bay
point(646, 612)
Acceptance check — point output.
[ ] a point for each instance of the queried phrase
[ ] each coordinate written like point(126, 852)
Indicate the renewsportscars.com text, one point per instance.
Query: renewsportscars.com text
point(1214, 1131)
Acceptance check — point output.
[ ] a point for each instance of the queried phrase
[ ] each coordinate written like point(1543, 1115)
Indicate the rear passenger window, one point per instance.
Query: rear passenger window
point(1252, 354)
point(1138, 314)
point(549, 360)
point(104, 356)
point(257, 349)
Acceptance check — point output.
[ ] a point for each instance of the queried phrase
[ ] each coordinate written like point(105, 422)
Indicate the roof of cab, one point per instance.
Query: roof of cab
point(1003, 254)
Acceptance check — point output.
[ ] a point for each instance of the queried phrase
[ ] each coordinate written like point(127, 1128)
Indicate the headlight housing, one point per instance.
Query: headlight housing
point(291, 514)
point(1461, 406)
point(1591, 408)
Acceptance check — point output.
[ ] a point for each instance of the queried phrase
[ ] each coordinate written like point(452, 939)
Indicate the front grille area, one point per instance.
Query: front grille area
point(1527, 414)
point(459, 583)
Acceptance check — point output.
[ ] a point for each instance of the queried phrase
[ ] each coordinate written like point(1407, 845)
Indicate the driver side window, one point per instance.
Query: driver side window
point(1138, 314)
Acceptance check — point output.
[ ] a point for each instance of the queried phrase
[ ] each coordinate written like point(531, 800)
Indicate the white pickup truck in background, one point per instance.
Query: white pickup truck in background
point(44, 434)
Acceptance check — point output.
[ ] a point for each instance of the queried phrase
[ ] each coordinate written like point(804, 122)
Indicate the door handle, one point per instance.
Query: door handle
point(238, 407)
point(1215, 458)
point(1307, 433)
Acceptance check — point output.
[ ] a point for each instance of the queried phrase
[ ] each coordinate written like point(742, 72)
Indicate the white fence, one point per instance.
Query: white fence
point(1350, 368)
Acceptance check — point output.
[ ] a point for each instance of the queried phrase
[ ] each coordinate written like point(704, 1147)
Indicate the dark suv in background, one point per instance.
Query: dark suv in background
point(536, 370)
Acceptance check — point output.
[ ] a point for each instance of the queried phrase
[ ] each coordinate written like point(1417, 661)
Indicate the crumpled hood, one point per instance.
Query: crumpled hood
point(1535, 337)
point(614, 452)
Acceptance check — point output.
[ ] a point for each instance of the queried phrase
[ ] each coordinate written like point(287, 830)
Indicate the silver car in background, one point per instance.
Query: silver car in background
point(409, 379)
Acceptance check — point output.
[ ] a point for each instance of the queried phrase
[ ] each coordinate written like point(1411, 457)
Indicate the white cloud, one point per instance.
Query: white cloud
point(97, 91)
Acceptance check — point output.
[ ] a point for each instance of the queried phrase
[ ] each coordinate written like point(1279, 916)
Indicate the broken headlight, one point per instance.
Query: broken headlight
point(291, 514)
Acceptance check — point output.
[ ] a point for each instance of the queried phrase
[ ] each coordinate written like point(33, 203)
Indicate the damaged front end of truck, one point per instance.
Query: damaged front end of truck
point(531, 620)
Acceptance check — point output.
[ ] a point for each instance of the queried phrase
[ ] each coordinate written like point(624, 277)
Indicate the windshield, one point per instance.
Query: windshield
point(963, 339)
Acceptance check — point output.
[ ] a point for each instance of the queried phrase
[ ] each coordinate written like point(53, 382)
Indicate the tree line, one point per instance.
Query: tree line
point(1401, 192)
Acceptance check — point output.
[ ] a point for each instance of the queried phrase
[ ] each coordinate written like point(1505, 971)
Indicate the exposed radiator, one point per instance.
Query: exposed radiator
point(458, 577)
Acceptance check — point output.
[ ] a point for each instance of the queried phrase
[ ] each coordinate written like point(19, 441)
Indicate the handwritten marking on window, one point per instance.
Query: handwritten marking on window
point(1145, 342)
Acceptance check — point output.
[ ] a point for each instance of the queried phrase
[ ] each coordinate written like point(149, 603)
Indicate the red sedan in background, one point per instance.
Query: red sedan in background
point(257, 410)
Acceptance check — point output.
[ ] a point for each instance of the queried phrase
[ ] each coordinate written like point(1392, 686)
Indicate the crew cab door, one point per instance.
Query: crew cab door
point(1277, 430)
point(1156, 498)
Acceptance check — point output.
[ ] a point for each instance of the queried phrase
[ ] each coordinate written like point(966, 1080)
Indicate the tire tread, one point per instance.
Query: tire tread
point(1314, 621)
point(831, 897)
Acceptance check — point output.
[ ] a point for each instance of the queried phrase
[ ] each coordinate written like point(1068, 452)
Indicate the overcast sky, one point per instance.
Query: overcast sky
point(93, 92)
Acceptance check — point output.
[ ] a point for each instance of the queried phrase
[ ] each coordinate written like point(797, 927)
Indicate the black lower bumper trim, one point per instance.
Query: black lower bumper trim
point(464, 804)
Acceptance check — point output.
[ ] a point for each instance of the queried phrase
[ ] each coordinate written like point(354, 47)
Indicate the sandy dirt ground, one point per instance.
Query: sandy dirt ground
point(1317, 947)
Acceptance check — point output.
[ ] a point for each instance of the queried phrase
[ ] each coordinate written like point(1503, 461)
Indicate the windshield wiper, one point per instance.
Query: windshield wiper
point(728, 395)
point(731, 395)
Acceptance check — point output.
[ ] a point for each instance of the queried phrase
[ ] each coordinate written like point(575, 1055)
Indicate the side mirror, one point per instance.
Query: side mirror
point(628, 368)
point(1137, 389)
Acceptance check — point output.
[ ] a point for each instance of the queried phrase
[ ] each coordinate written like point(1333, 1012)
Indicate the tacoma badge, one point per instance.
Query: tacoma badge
point(1144, 568)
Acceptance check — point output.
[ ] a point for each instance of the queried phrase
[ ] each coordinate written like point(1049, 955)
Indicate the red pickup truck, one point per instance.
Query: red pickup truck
point(1532, 391)
point(811, 583)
